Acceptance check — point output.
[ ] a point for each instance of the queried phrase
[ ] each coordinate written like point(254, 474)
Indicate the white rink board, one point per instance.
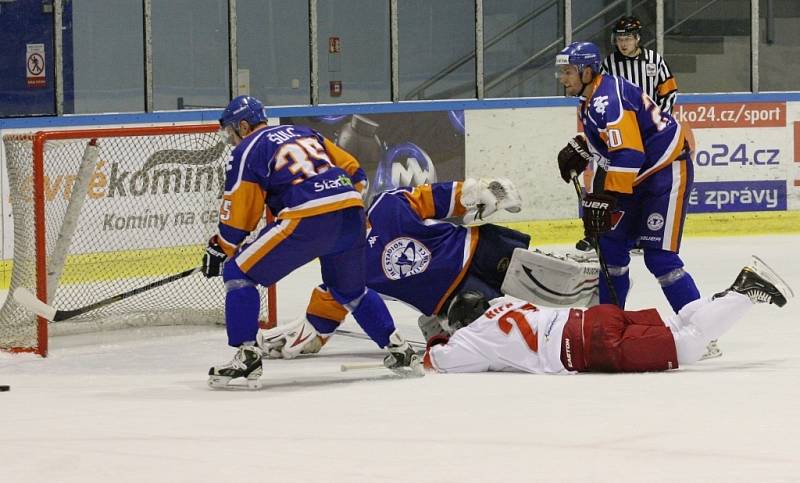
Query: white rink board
point(522, 144)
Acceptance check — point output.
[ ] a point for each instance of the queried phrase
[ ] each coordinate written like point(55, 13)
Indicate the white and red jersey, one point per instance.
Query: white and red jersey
point(513, 335)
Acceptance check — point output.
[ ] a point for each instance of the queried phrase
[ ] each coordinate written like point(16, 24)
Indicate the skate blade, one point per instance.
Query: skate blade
point(711, 354)
point(415, 369)
point(770, 275)
point(224, 382)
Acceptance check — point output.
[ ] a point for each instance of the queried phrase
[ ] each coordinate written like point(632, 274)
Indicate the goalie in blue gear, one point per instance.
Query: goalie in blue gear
point(416, 257)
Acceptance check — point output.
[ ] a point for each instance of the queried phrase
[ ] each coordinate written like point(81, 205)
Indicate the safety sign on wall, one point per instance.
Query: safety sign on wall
point(34, 66)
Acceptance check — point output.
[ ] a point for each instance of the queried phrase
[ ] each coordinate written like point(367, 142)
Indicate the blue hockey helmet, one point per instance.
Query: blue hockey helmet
point(243, 108)
point(580, 54)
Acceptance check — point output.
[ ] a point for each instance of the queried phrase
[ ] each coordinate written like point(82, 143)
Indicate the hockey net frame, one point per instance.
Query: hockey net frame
point(40, 256)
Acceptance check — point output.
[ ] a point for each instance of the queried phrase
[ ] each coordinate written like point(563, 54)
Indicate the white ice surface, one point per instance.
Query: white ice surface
point(133, 406)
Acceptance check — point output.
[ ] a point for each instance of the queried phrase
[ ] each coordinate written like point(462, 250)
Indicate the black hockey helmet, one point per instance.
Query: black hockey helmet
point(465, 308)
point(628, 25)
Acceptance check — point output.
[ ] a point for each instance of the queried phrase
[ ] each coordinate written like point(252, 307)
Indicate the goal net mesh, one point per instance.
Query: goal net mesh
point(141, 209)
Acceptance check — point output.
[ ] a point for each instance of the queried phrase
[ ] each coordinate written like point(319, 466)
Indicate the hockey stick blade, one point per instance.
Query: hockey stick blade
point(28, 300)
point(415, 370)
point(356, 366)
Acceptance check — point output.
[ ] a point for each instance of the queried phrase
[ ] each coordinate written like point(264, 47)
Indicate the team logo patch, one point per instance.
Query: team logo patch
point(600, 103)
point(650, 70)
point(655, 221)
point(405, 257)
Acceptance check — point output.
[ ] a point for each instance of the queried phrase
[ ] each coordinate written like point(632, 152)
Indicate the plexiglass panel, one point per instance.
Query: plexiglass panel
point(107, 56)
point(707, 45)
point(353, 51)
point(190, 54)
point(273, 51)
point(437, 49)
point(521, 38)
point(779, 46)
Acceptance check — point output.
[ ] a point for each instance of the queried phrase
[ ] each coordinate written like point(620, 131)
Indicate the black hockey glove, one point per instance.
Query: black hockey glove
point(213, 259)
point(575, 156)
point(597, 213)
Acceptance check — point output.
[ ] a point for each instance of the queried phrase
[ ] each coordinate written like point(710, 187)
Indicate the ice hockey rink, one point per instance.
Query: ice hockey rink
point(133, 406)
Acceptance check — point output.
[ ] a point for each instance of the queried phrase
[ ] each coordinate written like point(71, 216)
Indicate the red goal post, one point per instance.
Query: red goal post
point(99, 212)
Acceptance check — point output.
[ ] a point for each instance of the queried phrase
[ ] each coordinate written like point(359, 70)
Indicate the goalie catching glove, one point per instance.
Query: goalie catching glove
point(213, 259)
point(598, 213)
point(575, 156)
point(482, 197)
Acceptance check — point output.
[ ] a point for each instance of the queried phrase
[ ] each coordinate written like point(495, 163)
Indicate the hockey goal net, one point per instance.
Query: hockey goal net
point(101, 212)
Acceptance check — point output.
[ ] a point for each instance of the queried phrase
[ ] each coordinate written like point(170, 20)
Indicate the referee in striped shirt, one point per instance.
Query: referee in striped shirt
point(644, 68)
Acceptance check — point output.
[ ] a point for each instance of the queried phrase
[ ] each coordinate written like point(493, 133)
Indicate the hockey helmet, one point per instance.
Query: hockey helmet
point(580, 54)
point(628, 25)
point(243, 108)
point(465, 308)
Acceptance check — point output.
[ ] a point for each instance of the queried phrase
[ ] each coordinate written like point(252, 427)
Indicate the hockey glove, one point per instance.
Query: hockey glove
point(213, 259)
point(432, 330)
point(575, 156)
point(597, 213)
point(483, 197)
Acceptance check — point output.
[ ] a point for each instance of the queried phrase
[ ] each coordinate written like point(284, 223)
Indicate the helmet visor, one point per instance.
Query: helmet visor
point(564, 70)
point(229, 135)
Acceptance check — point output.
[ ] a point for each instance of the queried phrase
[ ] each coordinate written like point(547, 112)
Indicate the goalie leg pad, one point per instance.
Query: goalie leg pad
point(550, 279)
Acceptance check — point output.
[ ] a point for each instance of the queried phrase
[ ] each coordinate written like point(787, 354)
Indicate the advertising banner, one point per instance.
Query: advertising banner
point(400, 149)
point(743, 156)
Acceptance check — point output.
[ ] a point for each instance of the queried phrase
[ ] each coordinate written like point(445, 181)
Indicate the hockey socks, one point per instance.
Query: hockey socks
point(242, 306)
point(622, 284)
point(372, 315)
point(677, 285)
point(681, 291)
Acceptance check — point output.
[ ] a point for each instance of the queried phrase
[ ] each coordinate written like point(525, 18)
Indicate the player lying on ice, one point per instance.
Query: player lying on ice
point(417, 259)
point(513, 335)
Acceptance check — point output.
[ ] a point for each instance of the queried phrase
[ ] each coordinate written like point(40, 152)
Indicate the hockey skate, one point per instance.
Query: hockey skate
point(246, 363)
point(402, 358)
point(761, 284)
point(712, 351)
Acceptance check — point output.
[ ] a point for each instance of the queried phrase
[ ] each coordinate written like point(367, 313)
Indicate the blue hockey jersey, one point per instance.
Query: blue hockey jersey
point(412, 255)
point(634, 138)
point(294, 170)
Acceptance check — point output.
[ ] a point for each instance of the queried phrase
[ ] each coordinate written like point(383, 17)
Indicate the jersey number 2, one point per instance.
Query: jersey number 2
point(506, 323)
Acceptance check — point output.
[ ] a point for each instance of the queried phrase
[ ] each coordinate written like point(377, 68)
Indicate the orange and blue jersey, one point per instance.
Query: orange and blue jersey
point(634, 138)
point(294, 171)
point(412, 256)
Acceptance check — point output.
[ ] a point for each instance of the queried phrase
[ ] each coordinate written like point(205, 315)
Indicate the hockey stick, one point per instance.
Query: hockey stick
point(415, 370)
point(357, 366)
point(358, 335)
point(611, 290)
point(28, 300)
